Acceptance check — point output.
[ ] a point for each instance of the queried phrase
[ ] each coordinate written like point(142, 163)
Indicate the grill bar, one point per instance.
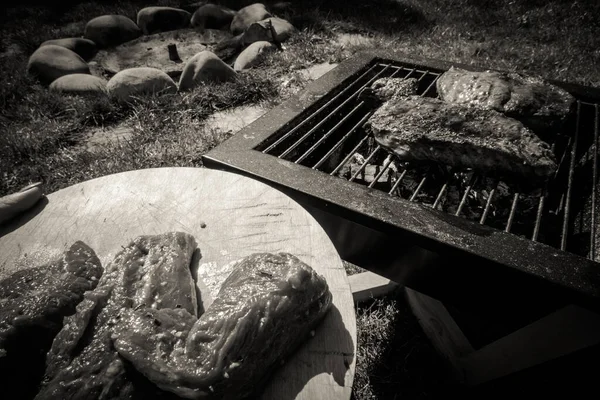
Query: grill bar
point(431, 86)
point(438, 199)
point(592, 254)
point(347, 158)
point(364, 164)
point(326, 118)
point(341, 142)
point(513, 210)
point(466, 194)
point(316, 113)
point(354, 128)
point(488, 204)
point(381, 171)
point(397, 69)
point(397, 183)
point(565, 228)
point(538, 218)
point(418, 189)
point(329, 133)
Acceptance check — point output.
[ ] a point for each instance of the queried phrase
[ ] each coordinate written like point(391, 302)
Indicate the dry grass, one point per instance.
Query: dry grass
point(397, 359)
point(41, 133)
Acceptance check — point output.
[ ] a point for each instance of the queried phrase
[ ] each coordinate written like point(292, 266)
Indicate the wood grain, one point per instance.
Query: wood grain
point(230, 216)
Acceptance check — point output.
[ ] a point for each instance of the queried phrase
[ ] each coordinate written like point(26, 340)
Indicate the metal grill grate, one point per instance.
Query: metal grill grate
point(330, 138)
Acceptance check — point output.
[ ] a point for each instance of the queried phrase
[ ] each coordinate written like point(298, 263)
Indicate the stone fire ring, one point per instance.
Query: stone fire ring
point(153, 51)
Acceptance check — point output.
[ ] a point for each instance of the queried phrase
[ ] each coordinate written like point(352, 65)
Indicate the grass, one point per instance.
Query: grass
point(41, 133)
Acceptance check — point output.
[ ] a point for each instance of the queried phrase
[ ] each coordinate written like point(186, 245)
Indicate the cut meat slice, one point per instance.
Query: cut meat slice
point(152, 271)
point(265, 309)
point(33, 303)
point(539, 105)
point(428, 129)
point(384, 89)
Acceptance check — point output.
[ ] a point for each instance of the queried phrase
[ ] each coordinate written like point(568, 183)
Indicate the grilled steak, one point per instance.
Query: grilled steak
point(153, 272)
point(265, 309)
point(33, 303)
point(539, 105)
point(384, 89)
point(422, 128)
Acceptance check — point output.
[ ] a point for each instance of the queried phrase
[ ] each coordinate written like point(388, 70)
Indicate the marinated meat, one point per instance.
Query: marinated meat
point(265, 309)
point(539, 105)
point(152, 272)
point(422, 128)
point(384, 89)
point(33, 303)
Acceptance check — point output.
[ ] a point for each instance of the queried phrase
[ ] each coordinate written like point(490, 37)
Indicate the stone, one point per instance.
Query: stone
point(83, 84)
point(256, 33)
point(253, 54)
point(212, 16)
point(162, 19)
point(260, 30)
point(247, 16)
point(111, 30)
point(50, 62)
point(85, 48)
point(140, 81)
point(205, 67)
point(151, 51)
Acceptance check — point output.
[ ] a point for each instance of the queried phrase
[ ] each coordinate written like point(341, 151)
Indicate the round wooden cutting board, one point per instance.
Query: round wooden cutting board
point(230, 216)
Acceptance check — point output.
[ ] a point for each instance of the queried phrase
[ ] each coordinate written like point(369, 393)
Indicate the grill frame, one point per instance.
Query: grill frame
point(363, 221)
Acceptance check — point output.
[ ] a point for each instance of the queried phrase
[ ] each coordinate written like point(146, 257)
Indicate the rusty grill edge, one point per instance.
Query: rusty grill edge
point(303, 146)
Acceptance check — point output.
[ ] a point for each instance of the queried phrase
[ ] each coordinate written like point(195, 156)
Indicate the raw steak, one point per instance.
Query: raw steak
point(539, 105)
point(33, 303)
point(422, 128)
point(265, 309)
point(153, 272)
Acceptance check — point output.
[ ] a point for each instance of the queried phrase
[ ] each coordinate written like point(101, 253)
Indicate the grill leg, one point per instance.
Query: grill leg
point(561, 333)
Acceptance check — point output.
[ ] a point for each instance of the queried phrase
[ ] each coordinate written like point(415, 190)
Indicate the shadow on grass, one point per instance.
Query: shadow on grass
point(383, 16)
point(407, 366)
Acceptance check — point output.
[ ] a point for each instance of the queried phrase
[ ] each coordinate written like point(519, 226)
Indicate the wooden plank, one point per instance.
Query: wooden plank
point(441, 329)
point(368, 285)
point(230, 216)
point(563, 332)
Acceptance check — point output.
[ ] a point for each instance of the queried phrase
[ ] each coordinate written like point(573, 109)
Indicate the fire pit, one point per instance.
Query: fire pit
point(455, 234)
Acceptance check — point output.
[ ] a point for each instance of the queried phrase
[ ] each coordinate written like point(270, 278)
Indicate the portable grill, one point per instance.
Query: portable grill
point(455, 234)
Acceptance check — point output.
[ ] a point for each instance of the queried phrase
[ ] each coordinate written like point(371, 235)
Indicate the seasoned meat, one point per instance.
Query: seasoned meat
point(539, 105)
point(384, 89)
point(152, 272)
point(265, 309)
point(33, 303)
point(422, 128)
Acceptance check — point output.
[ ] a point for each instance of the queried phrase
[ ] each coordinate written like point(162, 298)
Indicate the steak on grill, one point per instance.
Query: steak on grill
point(383, 89)
point(33, 303)
point(423, 128)
point(264, 310)
point(539, 105)
point(151, 271)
